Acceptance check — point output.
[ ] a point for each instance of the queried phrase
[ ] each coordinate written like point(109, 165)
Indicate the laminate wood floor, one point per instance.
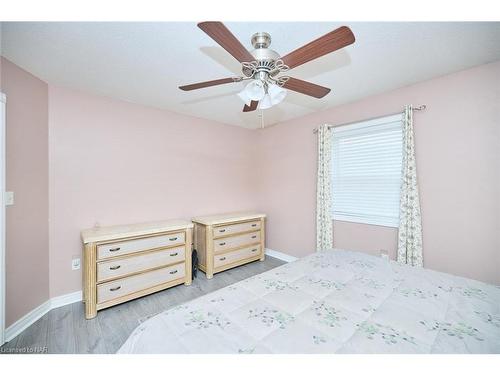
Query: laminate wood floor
point(65, 329)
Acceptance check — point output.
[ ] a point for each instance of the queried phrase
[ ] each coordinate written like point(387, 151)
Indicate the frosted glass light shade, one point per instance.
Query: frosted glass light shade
point(255, 90)
point(276, 93)
point(243, 96)
point(266, 102)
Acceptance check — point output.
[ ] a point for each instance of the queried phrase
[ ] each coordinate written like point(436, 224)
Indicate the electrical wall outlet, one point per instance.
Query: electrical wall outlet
point(9, 198)
point(75, 264)
point(384, 254)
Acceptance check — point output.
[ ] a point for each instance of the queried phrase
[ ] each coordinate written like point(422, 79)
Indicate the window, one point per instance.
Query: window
point(366, 171)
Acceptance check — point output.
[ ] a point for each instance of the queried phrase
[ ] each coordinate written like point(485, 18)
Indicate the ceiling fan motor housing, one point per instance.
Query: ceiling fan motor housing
point(261, 42)
point(265, 57)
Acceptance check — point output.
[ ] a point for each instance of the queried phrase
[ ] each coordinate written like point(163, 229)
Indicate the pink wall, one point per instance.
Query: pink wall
point(458, 161)
point(114, 162)
point(27, 243)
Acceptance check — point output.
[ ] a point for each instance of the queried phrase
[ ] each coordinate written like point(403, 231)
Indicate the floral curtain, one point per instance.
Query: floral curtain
point(324, 223)
point(410, 222)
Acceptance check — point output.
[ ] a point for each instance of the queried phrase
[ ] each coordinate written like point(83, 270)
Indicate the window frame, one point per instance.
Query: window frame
point(364, 127)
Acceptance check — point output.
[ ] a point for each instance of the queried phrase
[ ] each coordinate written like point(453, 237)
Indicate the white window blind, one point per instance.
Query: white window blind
point(366, 171)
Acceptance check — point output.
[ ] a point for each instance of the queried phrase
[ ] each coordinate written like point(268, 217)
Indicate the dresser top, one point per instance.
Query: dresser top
point(131, 230)
point(226, 218)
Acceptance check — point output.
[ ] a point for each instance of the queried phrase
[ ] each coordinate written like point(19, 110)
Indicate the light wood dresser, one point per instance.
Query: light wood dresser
point(228, 240)
point(129, 261)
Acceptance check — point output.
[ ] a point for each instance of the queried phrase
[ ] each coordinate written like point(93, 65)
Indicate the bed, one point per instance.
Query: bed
point(332, 302)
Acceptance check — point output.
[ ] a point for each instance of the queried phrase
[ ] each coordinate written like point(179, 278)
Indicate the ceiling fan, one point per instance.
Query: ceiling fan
point(263, 66)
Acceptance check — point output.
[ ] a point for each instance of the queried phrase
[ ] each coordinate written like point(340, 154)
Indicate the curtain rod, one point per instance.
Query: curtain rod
point(419, 108)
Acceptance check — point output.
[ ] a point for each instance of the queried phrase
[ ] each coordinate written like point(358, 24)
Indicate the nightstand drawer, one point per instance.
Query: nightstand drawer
point(236, 228)
point(134, 246)
point(128, 285)
point(232, 242)
point(111, 269)
point(237, 255)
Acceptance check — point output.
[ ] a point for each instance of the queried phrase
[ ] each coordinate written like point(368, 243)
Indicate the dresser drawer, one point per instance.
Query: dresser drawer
point(236, 228)
point(222, 244)
point(237, 255)
point(111, 269)
point(133, 246)
point(131, 284)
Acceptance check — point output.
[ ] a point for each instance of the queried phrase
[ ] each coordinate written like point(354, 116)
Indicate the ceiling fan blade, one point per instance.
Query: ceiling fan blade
point(200, 85)
point(221, 34)
point(330, 42)
point(252, 107)
point(305, 87)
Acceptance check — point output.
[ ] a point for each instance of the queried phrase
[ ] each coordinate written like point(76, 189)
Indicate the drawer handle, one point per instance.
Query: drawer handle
point(222, 244)
point(114, 267)
point(172, 272)
point(222, 230)
point(254, 236)
point(115, 289)
point(254, 250)
point(114, 249)
point(223, 258)
point(172, 239)
point(254, 225)
point(174, 254)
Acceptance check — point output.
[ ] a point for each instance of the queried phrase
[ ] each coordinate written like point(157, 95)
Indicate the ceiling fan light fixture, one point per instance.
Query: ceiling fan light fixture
point(264, 65)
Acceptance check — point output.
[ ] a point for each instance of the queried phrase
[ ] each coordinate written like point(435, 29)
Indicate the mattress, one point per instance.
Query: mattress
point(332, 302)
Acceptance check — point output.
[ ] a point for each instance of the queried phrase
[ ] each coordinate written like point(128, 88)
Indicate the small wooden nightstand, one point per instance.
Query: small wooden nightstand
point(228, 240)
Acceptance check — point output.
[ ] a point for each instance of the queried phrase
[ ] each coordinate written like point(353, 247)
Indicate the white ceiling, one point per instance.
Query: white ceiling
point(145, 62)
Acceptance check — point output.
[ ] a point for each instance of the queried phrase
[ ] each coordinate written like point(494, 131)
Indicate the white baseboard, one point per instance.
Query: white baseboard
point(65, 299)
point(19, 326)
point(279, 255)
point(15, 329)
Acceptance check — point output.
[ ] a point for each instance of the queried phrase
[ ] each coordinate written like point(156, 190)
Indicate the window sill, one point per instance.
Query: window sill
point(365, 220)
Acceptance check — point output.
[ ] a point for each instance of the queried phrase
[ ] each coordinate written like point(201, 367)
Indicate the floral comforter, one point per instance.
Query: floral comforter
point(332, 302)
